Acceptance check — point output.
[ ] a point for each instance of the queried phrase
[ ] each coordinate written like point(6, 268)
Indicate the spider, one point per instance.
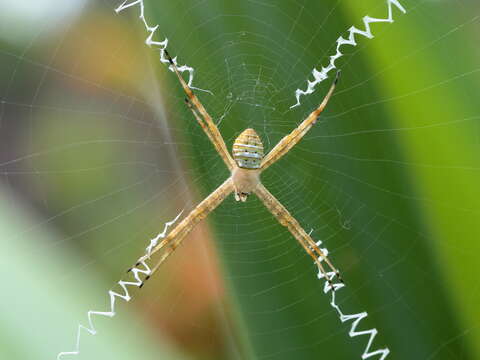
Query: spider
point(246, 165)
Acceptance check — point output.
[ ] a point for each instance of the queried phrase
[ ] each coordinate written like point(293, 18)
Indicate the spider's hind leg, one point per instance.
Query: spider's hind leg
point(286, 219)
point(322, 256)
point(202, 116)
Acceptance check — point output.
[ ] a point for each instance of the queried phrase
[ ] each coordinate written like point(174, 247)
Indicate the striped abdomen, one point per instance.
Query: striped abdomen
point(248, 150)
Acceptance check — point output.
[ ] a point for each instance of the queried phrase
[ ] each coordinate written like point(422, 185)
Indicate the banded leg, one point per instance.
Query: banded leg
point(199, 120)
point(287, 220)
point(170, 243)
point(205, 120)
point(296, 135)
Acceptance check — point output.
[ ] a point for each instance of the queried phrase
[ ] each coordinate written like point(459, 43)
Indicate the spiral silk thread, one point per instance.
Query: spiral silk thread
point(137, 271)
point(142, 268)
point(321, 75)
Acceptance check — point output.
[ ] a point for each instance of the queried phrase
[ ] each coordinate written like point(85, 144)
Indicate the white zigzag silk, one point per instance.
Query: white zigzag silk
point(141, 269)
point(144, 269)
point(321, 75)
point(357, 318)
point(162, 45)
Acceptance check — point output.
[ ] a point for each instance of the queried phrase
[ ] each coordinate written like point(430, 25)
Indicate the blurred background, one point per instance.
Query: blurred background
point(98, 152)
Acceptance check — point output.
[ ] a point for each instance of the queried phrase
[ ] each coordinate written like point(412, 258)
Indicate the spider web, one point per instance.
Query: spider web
point(99, 152)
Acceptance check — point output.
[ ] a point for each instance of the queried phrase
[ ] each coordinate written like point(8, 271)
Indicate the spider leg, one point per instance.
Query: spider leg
point(204, 119)
point(287, 220)
point(200, 120)
point(170, 243)
point(289, 141)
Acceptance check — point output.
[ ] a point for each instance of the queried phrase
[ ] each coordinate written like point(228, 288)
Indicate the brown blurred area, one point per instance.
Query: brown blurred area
point(84, 118)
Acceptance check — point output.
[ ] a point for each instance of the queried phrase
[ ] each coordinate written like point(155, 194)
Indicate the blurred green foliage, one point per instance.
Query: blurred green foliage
point(401, 253)
point(34, 308)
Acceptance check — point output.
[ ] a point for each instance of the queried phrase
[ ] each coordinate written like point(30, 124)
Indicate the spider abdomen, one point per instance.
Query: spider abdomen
point(248, 150)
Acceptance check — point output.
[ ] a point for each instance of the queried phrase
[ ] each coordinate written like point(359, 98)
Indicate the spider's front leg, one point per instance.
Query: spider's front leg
point(289, 141)
point(203, 118)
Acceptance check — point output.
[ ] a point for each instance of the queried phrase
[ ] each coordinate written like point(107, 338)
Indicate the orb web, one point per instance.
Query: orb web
point(98, 152)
